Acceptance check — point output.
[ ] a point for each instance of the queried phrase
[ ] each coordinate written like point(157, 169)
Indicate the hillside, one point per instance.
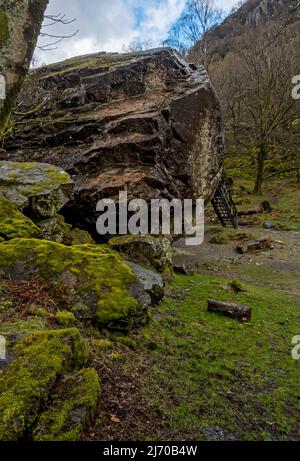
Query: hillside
point(252, 14)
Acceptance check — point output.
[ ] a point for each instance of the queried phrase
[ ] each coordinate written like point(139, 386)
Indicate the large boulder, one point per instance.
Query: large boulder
point(38, 188)
point(97, 285)
point(146, 122)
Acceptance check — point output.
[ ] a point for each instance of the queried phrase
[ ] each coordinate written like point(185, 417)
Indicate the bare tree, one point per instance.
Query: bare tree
point(193, 26)
point(52, 40)
point(254, 83)
point(137, 45)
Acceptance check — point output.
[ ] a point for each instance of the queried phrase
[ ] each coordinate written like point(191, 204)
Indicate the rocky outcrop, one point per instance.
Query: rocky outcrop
point(146, 122)
point(230, 34)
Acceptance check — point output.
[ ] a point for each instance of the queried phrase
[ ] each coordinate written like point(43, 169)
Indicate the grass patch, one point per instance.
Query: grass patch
point(207, 370)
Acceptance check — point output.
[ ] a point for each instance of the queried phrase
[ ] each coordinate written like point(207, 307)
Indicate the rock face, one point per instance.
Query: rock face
point(147, 122)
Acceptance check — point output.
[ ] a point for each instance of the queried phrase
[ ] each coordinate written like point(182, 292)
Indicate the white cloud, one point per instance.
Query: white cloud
point(109, 25)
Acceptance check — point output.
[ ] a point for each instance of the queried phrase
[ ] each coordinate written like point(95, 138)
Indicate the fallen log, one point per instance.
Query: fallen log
point(249, 212)
point(235, 311)
point(251, 246)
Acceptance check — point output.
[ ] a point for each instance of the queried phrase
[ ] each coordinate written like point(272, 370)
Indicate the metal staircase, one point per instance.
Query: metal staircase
point(224, 206)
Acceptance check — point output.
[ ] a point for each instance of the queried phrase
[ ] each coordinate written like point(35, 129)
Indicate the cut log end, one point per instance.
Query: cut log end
point(235, 311)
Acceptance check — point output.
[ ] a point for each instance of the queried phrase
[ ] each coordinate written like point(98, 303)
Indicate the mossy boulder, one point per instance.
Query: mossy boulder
point(13, 223)
point(73, 403)
point(155, 252)
point(99, 285)
point(37, 188)
point(57, 230)
point(38, 359)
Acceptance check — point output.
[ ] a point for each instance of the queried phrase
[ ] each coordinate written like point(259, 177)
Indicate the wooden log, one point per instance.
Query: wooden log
point(249, 212)
point(235, 311)
point(251, 246)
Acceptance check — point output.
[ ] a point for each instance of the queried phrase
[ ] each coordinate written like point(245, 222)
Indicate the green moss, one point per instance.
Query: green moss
point(38, 360)
point(81, 237)
point(116, 356)
point(13, 224)
point(50, 176)
point(73, 403)
point(65, 318)
point(126, 341)
point(19, 326)
point(101, 344)
point(4, 31)
point(100, 276)
point(26, 166)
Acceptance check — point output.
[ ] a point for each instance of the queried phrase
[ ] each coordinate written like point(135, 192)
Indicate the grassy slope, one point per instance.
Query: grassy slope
point(196, 375)
point(209, 370)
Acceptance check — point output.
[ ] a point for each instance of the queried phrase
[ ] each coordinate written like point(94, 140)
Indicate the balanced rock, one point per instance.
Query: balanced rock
point(147, 122)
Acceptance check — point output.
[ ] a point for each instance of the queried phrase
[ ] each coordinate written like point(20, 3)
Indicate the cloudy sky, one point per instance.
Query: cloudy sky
point(111, 25)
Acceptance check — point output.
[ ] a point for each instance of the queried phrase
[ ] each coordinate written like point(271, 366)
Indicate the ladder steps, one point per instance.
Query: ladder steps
point(224, 206)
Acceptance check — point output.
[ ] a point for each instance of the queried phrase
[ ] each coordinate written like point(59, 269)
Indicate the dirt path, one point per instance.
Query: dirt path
point(279, 267)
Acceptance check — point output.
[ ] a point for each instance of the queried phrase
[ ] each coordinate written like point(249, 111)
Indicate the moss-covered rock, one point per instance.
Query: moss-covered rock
point(81, 237)
point(40, 188)
point(154, 251)
point(37, 360)
point(100, 286)
point(13, 223)
point(72, 404)
point(57, 230)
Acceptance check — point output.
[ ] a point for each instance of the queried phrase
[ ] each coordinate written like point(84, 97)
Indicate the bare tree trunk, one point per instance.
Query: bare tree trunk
point(20, 24)
point(259, 171)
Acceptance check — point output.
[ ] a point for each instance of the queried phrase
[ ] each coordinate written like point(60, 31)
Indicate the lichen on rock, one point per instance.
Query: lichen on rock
point(39, 188)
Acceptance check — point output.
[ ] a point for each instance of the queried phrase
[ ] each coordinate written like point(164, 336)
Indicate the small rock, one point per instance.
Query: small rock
point(182, 269)
point(152, 281)
point(217, 434)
